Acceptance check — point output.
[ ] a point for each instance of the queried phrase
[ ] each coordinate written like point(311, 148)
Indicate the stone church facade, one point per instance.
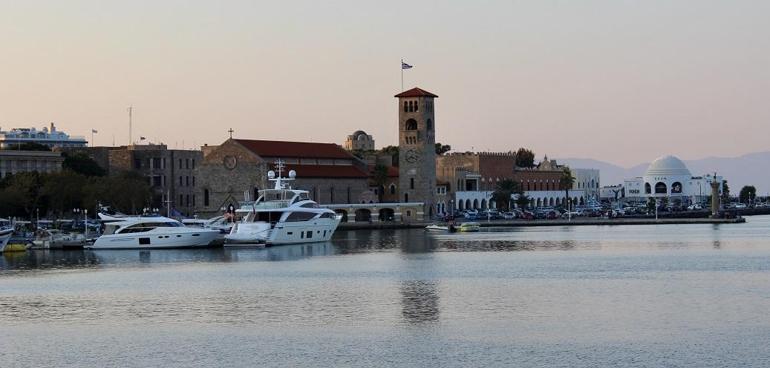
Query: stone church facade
point(234, 171)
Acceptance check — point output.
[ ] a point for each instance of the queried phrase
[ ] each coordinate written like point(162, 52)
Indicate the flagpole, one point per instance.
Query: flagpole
point(402, 75)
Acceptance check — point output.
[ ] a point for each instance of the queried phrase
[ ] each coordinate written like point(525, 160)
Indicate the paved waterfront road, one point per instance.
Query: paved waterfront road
point(629, 296)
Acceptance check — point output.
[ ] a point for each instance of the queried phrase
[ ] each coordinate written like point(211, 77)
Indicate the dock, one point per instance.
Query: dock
point(559, 222)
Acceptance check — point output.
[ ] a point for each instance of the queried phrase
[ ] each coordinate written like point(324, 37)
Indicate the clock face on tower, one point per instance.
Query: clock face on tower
point(412, 156)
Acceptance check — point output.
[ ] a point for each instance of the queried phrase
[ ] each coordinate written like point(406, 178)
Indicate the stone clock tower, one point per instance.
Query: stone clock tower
point(417, 149)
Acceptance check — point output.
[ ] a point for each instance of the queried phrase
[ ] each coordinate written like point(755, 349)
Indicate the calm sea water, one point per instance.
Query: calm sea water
point(631, 296)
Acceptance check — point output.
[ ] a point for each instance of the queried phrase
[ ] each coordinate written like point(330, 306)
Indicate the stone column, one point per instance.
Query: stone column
point(714, 197)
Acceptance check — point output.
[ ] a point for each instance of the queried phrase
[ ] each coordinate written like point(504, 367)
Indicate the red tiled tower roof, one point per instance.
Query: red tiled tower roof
point(416, 92)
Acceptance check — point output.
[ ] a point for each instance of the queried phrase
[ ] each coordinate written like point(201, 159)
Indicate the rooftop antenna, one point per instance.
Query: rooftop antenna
point(130, 123)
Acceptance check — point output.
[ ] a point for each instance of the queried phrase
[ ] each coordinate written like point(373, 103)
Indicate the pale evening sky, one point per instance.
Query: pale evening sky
point(620, 81)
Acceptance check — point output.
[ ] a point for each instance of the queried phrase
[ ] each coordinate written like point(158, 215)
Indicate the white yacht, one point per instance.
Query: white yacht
point(6, 231)
point(152, 232)
point(219, 223)
point(282, 216)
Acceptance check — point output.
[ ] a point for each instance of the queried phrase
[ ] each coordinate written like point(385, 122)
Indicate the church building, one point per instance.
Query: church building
point(234, 171)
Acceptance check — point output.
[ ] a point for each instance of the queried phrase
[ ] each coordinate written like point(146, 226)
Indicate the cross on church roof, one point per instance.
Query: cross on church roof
point(231, 133)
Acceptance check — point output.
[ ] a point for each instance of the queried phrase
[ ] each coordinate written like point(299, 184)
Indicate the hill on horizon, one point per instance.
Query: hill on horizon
point(749, 169)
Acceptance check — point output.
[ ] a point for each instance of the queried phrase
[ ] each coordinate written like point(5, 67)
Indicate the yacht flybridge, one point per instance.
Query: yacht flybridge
point(282, 216)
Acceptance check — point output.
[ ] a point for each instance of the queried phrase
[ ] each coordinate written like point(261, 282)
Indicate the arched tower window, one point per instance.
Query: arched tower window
point(416, 106)
point(411, 124)
point(392, 189)
point(406, 107)
point(661, 188)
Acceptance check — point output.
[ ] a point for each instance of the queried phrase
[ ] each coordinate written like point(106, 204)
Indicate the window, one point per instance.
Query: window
point(331, 195)
point(411, 124)
point(300, 216)
point(193, 181)
point(187, 163)
point(180, 163)
point(406, 107)
point(416, 105)
point(181, 197)
point(411, 183)
point(180, 181)
point(193, 164)
point(392, 189)
point(187, 180)
point(406, 197)
point(193, 200)
point(661, 188)
point(188, 200)
point(206, 197)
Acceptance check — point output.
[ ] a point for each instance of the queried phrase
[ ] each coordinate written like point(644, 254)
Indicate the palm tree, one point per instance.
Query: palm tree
point(503, 192)
point(567, 181)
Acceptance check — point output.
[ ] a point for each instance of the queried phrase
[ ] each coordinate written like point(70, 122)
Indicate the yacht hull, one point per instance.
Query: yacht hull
point(196, 239)
point(319, 230)
point(5, 236)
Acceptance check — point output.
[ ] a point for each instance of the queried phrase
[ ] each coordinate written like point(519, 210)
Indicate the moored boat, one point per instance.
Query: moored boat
point(282, 216)
point(152, 232)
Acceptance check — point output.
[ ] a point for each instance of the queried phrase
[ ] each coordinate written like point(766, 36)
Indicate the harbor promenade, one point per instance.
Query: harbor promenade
point(559, 222)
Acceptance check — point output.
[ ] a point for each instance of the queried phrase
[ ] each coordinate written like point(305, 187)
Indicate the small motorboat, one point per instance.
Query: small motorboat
point(468, 227)
point(437, 228)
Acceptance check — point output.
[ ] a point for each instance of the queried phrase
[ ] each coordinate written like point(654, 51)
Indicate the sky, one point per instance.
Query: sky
point(620, 81)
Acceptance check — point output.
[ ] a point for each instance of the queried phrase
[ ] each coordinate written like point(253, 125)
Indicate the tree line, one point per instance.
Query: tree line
point(81, 184)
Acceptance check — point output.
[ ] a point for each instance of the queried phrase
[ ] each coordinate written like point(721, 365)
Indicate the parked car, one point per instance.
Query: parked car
point(695, 207)
point(739, 206)
point(509, 215)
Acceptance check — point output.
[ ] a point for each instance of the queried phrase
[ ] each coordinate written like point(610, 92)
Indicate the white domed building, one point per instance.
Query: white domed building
point(669, 177)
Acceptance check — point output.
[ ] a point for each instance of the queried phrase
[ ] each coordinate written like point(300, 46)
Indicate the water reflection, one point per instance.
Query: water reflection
point(419, 301)
point(55, 259)
point(47, 259)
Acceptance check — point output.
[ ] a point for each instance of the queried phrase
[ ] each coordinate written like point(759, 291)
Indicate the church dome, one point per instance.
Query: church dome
point(667, 166)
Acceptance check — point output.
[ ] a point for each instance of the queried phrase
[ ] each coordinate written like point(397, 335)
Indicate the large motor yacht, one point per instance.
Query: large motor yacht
point(152, 232)
point(282, 216)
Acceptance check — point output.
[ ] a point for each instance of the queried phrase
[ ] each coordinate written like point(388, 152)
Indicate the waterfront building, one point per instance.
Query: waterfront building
point(359, 141)
point(587, 181)
point(47, 136)
point(14, 162)
point(668, 177)
point(417, 149)
point(472, 177)
point(232, 173)
point(169, 172)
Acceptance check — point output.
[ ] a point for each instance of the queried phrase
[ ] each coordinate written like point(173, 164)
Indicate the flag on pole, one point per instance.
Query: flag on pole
point(142, 138)
point(405, 66)
point(94, 131)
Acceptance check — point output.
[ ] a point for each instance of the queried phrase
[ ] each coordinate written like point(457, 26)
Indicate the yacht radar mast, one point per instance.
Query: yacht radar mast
point(279, 180)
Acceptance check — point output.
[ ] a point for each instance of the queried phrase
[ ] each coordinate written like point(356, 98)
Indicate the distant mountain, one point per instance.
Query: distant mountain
point(749, 169)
